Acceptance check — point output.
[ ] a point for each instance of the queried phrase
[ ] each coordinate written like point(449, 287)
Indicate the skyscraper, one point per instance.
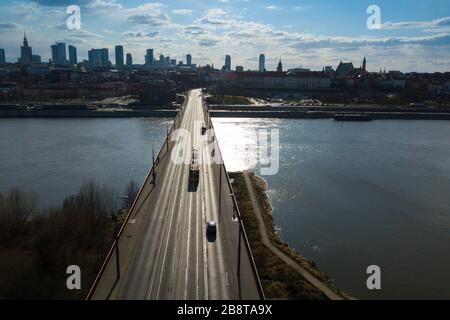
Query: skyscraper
point(26, 51)
point(129, 60)
point(262, 63)
point(188, 59)
point(119, 56)
point(227, 66)
point(73, 55)
point(99, 57)
point(95, 57)
point(59, 53)
point(2, 57)
point(105, 57)
point(149, 57)
point(36, 58)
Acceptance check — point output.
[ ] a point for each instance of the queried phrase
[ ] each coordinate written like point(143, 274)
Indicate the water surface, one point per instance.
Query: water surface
point(350, 195)
point(54, 157)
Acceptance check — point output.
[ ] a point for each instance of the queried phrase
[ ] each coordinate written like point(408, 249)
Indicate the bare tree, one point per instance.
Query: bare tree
point(16, 208)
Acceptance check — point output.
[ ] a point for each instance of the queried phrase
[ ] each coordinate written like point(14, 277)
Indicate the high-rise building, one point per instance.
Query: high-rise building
point(227, 66)
point(119, 56)
point(262, 63)
point(99, 57)
point(59, 53)
point(149, 57)
point(73, 55)
point(36, 58)
point(26, 52)
point(161, 58)
point(129, 60)
point(188, 59)
point(105, 57)
point(2, 57)
point(95, 57)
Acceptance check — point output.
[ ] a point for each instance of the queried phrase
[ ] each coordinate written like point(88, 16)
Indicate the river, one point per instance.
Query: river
point(348, 195)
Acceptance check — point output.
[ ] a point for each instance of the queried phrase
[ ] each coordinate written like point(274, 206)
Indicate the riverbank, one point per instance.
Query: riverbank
point(59, 110)
point(85, 113)
point(329, 112)
point(284, 273)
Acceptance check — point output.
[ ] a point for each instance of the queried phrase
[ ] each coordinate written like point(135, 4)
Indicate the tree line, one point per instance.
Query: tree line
point(37, 245)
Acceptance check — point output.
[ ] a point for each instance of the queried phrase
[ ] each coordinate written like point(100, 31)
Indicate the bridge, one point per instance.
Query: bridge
point(162, 251)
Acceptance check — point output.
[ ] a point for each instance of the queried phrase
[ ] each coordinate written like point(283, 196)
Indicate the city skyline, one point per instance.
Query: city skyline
point(416, 40)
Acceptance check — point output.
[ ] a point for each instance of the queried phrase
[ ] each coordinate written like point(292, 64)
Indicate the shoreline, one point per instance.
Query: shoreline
point(253, 111)
point(11, 114)
point(284, 273)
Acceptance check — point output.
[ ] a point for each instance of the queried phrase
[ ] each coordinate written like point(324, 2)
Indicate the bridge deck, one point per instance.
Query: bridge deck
point(163, 251)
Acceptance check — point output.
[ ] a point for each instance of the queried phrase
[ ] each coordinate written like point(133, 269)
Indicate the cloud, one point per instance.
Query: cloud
point(104, 5)
point(183, 12)
point(312, 41)
point(437, 23)
point(213, 32)
point(8, 26)
point(194, 30)
point(272, 7)
point(216, 12)
point(212, 21)
point(207, 42)
point(93, 4)
point(61, 3)
point(147, 14)
point(141, 34)
point(302, 8)
point(101, 4)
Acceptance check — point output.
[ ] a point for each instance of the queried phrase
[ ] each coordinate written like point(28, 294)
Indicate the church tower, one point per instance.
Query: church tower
point(280, 66)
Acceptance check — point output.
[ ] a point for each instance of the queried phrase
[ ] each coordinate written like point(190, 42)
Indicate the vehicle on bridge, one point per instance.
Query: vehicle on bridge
point(203, 129)
point(194, 171)
point(211, 231)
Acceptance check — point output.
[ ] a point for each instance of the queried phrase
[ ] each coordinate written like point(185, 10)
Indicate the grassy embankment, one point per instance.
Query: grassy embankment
point(279, 280)
point(228, 100)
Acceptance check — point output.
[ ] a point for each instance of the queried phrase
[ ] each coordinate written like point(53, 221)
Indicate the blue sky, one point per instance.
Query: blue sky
point(415, 35)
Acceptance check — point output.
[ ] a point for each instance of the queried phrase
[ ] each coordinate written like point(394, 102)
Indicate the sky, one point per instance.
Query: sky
point(414, 34)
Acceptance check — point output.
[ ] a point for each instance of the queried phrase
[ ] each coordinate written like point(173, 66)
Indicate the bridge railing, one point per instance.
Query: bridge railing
point(138, 196)
point(236, 208)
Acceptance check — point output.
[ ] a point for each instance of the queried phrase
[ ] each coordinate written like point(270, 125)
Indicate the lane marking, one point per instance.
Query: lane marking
point(169, 187)
point(188, 248)
point(183, 176)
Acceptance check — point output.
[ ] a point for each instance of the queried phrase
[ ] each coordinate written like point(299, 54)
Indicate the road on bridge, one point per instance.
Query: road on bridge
point(163, 251)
